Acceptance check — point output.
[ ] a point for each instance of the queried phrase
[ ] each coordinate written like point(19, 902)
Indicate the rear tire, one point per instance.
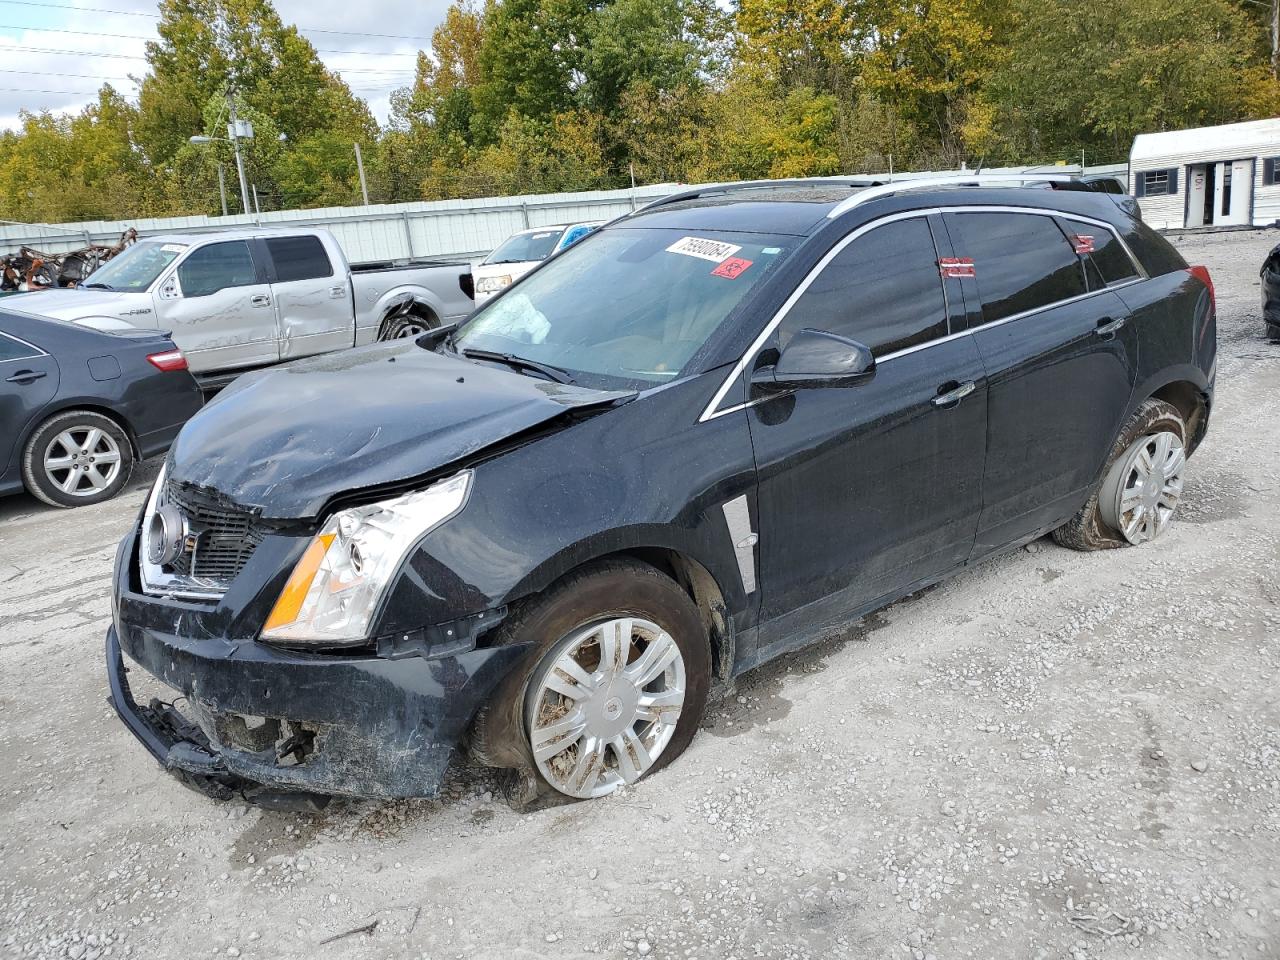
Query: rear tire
point(1273, 333)
point(77, 458)
point(406, 327)
point(618, 723)
point(1089, 529)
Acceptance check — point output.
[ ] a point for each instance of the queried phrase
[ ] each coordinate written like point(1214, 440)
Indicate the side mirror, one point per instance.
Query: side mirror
point(169, 289)
point(815, 358)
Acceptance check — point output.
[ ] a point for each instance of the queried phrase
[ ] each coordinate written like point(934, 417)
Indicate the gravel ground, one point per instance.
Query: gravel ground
point(1051, 755)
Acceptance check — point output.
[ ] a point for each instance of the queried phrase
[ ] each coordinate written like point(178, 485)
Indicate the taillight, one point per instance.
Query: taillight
point(1202, 274)
point(169, 360)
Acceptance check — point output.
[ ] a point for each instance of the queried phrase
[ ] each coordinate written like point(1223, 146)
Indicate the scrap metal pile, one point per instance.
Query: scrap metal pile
point(30, 269)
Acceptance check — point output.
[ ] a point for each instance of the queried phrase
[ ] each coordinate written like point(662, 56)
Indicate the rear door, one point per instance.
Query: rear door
point(28, 382)
point(217, 304)
point(312, 298)
point(867, 489)
point(1061, 361)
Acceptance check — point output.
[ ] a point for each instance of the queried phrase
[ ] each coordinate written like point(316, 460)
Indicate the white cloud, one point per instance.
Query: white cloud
point(35, 80)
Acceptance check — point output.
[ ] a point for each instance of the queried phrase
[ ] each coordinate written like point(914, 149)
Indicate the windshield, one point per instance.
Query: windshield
point(626, 307)
point(526, 246)
point(137, 268)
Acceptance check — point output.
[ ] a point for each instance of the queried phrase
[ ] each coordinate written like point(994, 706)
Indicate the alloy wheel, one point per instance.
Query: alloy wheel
point(605, 706)
point(82, 461)
point(1143, 487)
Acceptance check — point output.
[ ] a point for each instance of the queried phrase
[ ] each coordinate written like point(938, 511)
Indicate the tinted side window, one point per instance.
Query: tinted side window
point(299, 258)
point(1022, 261)
point(11, 349)
point(883, 290)
point(216, 267)
point(1105, 259)
point(1156, 254)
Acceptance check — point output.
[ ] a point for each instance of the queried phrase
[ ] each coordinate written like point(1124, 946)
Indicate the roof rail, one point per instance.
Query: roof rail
point(951, 180)
point(694, 193)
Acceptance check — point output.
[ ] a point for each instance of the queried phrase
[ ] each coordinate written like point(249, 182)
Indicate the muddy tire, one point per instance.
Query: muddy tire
point(1273, 333)
point(658, 617)
point(1088, 529)
point(77, 458)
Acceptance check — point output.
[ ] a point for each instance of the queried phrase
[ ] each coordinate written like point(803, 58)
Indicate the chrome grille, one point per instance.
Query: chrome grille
point(222, 536)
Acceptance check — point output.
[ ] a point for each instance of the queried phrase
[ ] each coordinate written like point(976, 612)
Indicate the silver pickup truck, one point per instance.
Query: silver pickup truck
point(247, 298)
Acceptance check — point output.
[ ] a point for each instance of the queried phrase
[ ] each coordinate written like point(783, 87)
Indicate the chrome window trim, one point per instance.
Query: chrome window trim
point(35, 356)
point(711, 411)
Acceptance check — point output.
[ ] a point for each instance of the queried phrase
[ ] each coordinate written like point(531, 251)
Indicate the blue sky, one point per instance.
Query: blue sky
point(103, 40)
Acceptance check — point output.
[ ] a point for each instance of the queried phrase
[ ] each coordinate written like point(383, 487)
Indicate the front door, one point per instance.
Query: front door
point(1061, 358)
point(1233, 193)
point(867, 489)
point(312, 300)
point(218, 306)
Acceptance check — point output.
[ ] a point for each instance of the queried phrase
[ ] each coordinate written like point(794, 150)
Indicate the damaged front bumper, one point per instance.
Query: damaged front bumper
point(273, 726)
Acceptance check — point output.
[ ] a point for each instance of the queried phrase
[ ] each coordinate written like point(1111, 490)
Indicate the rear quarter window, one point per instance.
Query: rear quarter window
point(1154, 252)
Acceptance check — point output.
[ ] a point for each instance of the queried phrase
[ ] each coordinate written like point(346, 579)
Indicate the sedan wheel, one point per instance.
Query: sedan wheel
point(605, 706)
point(82, 461)
point(1142, 489)
point(77, 458)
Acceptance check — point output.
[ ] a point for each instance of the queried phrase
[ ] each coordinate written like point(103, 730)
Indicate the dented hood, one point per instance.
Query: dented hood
point(288, 440)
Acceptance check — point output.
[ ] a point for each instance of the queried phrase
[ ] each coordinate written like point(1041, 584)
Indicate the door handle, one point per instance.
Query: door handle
point(1108, 327)
point(261, 300)
point(26, 376)
point(951, 393)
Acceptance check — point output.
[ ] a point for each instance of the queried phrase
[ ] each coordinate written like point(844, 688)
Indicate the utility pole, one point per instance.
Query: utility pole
point(233, 128)
point(1275, 39)
point(222, 189)
point(256, 208)
point(364, 186)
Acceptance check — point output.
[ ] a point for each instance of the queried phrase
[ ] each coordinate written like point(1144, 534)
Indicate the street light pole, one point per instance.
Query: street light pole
point(233, 129)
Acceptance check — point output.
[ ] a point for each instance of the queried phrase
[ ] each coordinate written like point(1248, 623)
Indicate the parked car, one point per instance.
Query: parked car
point(521, 252)
point(248, 298)
point(1270, 274)
point(711, 433)
point(79, 407)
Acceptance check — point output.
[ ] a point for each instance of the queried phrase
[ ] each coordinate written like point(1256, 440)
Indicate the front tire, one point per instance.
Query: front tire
point(613, 689)
point(77, 458)
point(1141, 485)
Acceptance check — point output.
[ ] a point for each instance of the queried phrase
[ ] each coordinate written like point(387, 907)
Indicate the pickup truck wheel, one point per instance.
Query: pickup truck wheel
point(406, 327)
point(612, 690)
point(1140, 488)
point(77, 458)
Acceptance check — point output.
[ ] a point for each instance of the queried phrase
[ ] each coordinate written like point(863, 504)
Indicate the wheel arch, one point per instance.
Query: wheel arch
point(1192, 403)
point(403, 302)
point(70, 404)
point(702, 586)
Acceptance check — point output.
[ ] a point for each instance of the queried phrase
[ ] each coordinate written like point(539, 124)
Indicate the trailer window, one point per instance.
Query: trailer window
point(1157, 183)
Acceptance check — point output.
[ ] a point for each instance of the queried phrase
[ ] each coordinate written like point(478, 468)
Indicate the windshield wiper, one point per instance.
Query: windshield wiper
point(520, 363)
point(95, 286)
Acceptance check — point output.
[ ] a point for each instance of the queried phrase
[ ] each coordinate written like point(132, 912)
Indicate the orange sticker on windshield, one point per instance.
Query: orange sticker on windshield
point(732, 268)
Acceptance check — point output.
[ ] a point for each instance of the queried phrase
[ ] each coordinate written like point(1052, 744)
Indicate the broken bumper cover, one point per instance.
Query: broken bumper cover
point(354, 726)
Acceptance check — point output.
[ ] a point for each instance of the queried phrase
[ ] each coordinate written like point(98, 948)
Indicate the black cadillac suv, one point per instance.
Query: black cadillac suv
point(712, 432)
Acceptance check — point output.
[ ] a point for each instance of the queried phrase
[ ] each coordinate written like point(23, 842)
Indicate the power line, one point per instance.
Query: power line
point(156, 16)
point(78, 76)
point(68, 93)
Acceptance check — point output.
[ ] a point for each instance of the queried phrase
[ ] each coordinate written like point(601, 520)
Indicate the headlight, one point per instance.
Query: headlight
point(492, 284)
point(334, 589)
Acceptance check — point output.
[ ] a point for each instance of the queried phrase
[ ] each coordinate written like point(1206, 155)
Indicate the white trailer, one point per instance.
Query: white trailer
point(1208, 177)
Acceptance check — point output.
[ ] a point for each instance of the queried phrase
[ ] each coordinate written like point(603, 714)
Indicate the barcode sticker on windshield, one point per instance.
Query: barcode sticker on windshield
point(713, 250)
point(173, 247)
